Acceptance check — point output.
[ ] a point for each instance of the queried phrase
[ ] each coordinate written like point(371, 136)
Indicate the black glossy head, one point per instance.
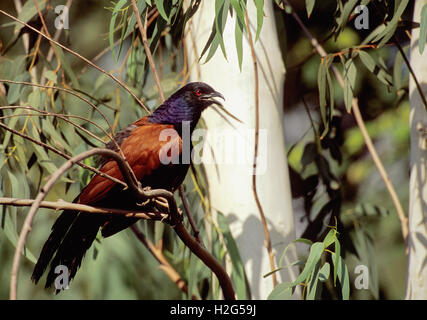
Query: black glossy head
point(186, 104)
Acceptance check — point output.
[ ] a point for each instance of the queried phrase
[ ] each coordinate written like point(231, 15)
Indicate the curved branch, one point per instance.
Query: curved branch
point(254, 188)
point(62, 154)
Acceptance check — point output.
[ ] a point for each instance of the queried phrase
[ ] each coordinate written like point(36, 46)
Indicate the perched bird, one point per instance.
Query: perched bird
point(74, 232)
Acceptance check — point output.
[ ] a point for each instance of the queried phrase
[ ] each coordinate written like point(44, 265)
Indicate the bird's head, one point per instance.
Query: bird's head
point(186, 104)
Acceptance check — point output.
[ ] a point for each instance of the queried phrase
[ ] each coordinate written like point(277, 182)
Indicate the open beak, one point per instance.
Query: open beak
point(213, 95)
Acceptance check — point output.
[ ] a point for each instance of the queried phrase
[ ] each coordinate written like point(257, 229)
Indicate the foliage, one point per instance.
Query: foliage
point(329, 167)
point(316, 271)
point(70, 124)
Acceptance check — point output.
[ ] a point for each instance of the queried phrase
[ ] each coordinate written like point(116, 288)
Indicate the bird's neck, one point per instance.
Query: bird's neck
point(178, 114)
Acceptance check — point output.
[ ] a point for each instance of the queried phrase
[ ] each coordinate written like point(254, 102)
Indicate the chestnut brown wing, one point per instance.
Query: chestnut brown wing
point(143, 149)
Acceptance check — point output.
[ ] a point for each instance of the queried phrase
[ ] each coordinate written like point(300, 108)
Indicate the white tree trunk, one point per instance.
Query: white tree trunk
point(230, 184)
point(417, 240)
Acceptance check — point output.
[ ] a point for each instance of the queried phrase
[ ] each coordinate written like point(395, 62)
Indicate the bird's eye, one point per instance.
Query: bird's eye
point(198, 93)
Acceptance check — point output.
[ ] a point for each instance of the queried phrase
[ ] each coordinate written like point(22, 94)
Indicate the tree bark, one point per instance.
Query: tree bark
point(230, 178)
point(417, 240)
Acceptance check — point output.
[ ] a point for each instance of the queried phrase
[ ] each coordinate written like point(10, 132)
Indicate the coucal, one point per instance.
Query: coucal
point(74, 232)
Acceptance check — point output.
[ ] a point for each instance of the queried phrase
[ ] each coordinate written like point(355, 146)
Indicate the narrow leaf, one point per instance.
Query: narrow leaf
point(423, 29)
point(309, 5)
point(282, 291)
point(316, 251)
point(260, 16)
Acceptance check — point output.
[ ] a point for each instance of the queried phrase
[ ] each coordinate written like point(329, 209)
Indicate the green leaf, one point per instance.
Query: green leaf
point(67, 67)
point(423, 29)
point(309, 5)
point(349, 83)
point(52, 76)
point(309, 153)
point(238, 272)
point(239, 8)
point(11, 124)
point(130, 26)
point(28, 11)
point(376, 69)
point(14, 91)
point(221, 13)
point(343, 277)
point(116, 11)
point(193, 272)
point(239, 42)
point(34, 99)
point(301, 240)
point(54, 136)
point(316, 251)
point(330, 238)
point(321, 84)
point(366, 253)
point(161, 9)
point(345, 12)
point(335, 259)
point(259, 17)
point(397, 70)
point(313, 288)
point(331, 95)
point(391, 26)
point(283, 291)
point(325, 272)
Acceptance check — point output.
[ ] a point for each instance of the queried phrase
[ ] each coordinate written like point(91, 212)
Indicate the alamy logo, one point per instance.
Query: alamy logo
point(362, 20)
point(61, 21)
point(61, 281)
point(232, 147)
point(362, 280)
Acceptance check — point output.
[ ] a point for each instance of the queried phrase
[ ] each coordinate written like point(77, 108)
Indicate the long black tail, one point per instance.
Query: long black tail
point(71, 236)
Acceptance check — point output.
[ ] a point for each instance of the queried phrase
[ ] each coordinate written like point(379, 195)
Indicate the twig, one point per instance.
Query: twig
point(64, 205)
point(80, 57)
point(46, 30)
point(254, 188)
point(359, 120)
point(143, 31)
point(67, 91)
point(411, 71)
point(63, 117)
point(62, 154)
point(164, 264)
point(110, 136)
